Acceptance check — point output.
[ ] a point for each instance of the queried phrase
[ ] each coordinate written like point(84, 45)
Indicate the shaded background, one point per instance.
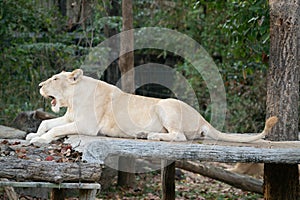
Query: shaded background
point(39, 38)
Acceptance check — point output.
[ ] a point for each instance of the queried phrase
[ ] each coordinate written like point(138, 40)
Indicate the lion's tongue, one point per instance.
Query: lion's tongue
point(53, 102)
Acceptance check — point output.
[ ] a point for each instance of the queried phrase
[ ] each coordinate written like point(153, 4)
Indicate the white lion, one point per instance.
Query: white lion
point(94, 107)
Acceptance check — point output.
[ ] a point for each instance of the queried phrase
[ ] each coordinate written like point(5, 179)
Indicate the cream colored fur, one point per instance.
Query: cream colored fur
point(95, 107)
point(252, 169)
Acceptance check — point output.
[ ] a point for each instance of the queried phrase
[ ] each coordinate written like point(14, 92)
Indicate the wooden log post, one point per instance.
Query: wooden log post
point(125, 178)
point(168, 179)
point(87, 194)
point(84, 194)
point(10, 191)
point(58, 194)
point(281, 180)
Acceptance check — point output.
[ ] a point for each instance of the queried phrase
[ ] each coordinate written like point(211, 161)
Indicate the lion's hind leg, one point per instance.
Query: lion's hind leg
point(169, 113)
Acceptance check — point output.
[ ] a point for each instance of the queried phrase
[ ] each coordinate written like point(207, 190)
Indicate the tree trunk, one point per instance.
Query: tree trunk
point(126, 65)
point(281, 180)
point(112, 73)
point(126, 60)
point(112, 8)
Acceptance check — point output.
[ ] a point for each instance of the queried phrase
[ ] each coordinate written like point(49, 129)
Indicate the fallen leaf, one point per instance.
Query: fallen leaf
point(49, 158)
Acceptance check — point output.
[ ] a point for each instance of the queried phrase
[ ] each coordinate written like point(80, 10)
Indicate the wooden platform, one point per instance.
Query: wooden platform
point(105, 150)
point(97, 149)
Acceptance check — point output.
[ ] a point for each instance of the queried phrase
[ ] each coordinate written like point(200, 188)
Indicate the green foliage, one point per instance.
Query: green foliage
point(30, 52)
point(35, 44)
point(236, 34)
point(24, 67)
point(25, 21)
point(241, 37)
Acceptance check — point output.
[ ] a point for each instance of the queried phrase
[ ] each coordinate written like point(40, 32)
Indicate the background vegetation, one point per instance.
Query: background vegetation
point(37, 42)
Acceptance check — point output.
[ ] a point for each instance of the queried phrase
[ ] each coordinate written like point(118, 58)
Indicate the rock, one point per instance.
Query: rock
point(29, 121)
point(11, 133)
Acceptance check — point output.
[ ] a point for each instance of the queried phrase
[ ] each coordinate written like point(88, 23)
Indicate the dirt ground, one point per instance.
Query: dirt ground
point(188, 186)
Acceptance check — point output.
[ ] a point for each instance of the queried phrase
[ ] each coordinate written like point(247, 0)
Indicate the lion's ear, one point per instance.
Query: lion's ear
point(75, 76)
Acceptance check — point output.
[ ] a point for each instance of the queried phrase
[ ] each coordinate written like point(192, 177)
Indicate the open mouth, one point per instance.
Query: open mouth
point(53, 101)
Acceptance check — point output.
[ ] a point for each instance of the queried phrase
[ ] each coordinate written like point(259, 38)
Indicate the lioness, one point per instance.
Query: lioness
point(94, 107)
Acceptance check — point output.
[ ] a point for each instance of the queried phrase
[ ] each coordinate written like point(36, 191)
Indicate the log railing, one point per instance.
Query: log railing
point(99, 150)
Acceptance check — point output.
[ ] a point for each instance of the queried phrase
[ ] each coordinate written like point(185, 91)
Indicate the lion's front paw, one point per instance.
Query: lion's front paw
point(41, 140)
point(30, 136)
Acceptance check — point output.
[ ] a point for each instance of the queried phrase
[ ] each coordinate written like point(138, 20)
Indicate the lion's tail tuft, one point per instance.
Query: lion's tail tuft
point(270, 123)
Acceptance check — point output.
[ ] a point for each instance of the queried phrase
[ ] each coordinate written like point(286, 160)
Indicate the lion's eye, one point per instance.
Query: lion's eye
point(55, 79)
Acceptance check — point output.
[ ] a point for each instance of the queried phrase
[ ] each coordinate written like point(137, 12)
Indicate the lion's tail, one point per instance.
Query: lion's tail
point(217, 135)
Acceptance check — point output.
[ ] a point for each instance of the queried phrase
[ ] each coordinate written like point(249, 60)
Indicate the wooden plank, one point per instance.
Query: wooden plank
point(87, 186)
point(87, 191)
point(82, 141)
point(102, 148)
